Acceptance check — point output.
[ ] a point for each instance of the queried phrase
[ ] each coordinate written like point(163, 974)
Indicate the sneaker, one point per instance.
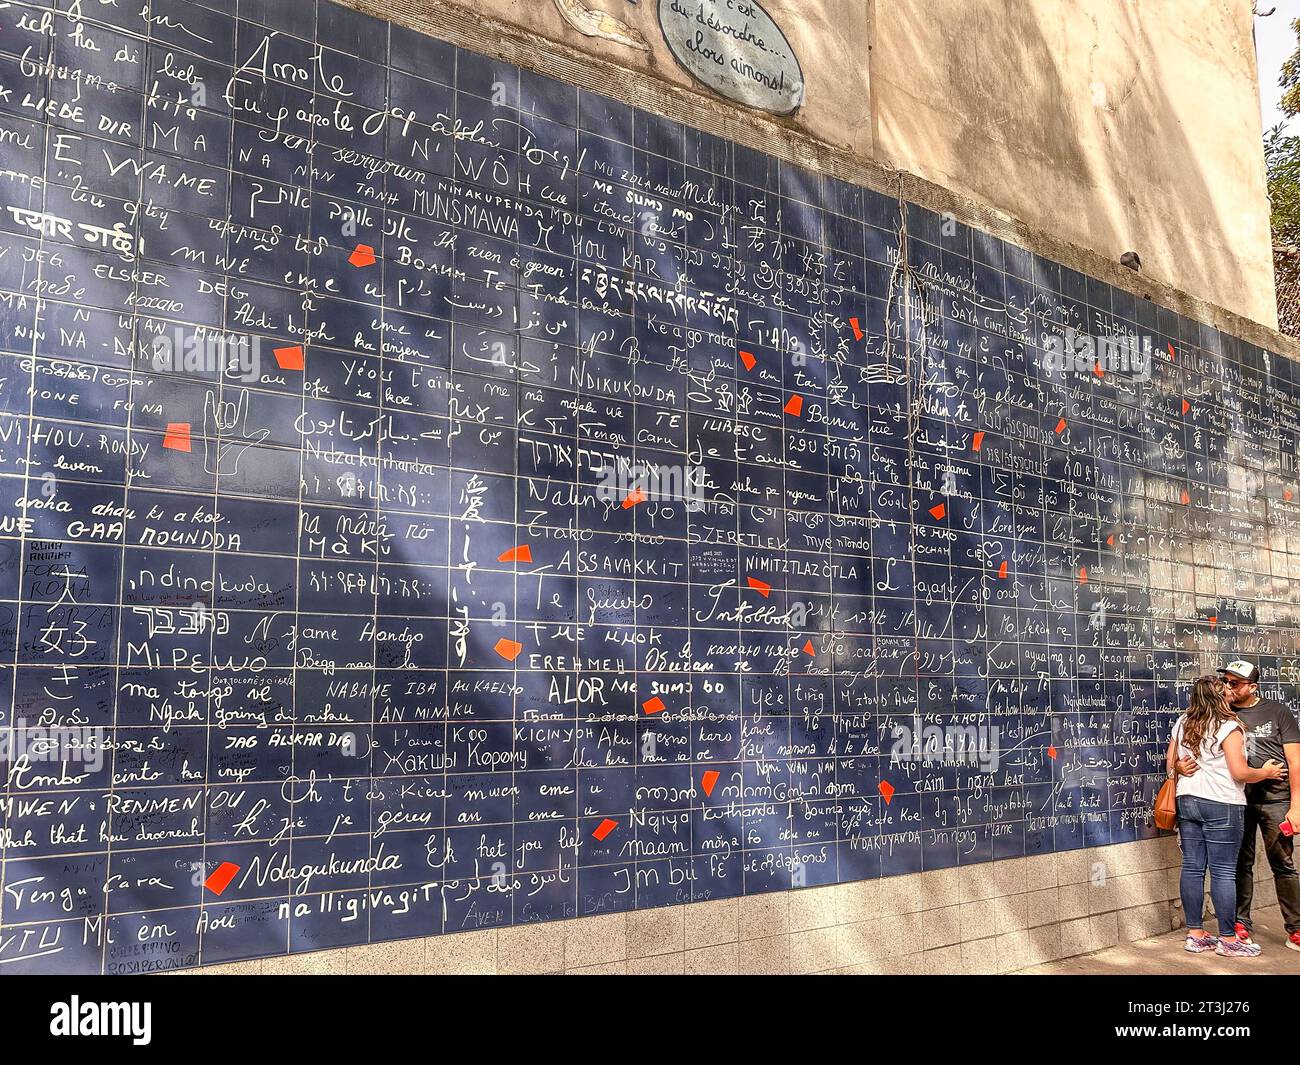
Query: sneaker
point(1243, 933)
point(1235, 948)
point(1200, 944)
point(1293, 941)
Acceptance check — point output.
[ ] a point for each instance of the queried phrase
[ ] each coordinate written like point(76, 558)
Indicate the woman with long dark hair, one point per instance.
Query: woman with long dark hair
point(1211, 812)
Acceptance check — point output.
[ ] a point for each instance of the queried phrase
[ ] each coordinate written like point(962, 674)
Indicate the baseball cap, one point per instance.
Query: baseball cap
point(1243, 669)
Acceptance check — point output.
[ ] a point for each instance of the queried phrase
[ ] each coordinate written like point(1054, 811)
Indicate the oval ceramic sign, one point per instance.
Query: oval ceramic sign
point(734, 48)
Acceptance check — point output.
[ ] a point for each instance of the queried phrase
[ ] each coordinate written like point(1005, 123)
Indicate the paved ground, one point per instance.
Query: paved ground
point(1164, 955)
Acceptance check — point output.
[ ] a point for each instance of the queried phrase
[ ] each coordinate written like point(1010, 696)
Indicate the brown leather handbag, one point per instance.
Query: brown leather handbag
point(1166, 812)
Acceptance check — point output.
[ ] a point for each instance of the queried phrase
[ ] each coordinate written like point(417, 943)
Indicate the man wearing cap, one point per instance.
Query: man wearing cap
point(1271, 732)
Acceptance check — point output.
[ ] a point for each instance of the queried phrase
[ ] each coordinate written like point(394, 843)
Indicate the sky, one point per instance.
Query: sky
point(1274, 41)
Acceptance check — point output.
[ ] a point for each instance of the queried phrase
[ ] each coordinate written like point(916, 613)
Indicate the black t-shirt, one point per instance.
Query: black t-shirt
point(1269, 724)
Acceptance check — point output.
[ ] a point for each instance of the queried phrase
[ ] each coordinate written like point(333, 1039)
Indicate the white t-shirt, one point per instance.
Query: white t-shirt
point(1213, 780)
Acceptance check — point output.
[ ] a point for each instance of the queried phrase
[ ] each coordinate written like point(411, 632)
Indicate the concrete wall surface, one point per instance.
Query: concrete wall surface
point(1117, 125)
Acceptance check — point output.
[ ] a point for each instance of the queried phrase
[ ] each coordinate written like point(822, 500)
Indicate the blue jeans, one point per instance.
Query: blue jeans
point(1210, 833)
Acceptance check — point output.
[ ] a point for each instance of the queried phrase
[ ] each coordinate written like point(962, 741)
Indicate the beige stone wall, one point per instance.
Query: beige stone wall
point(995, 917)
point(1113, 125)
point(830, 38)
point(1117, 124)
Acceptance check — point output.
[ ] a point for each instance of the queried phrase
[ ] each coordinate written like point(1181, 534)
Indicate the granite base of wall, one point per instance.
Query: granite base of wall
point(995, 917)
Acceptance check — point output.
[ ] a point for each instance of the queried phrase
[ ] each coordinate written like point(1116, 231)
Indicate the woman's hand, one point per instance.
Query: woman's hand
point(1273, 770)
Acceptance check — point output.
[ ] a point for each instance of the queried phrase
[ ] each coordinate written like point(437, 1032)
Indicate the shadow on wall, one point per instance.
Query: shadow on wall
point(1057, 109)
